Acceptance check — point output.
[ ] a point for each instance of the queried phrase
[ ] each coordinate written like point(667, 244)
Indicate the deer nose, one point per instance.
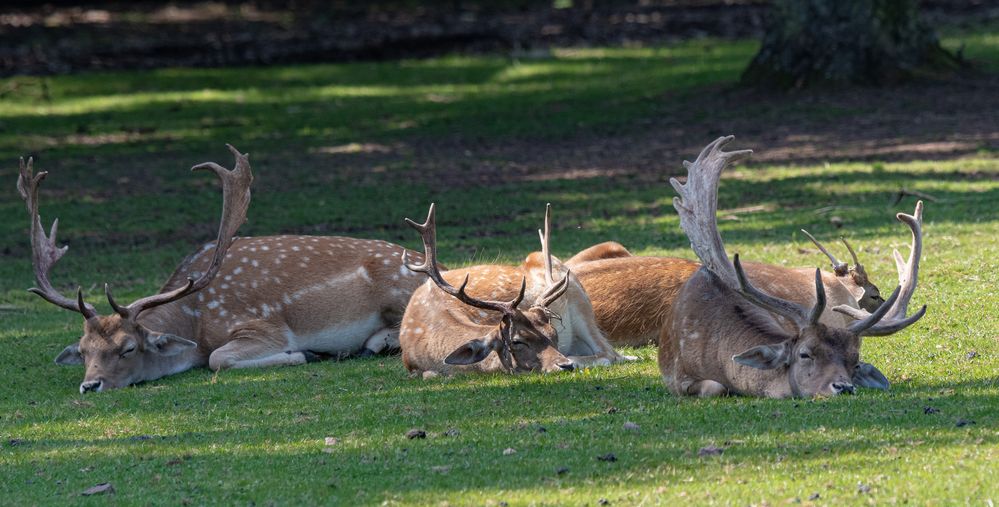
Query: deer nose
point(842, 387)
point(91, 385)
point(567, 366)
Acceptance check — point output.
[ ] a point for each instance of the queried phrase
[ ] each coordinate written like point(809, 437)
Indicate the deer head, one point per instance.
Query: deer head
point(117, 350)
point(818, 359)
point(524, 340)
point(854, 278)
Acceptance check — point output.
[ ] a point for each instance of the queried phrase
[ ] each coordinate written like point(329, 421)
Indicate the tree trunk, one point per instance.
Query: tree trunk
point(810, 42)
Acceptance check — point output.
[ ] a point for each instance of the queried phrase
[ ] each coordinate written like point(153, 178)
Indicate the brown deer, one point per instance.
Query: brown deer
point(725, 335)
point(531, 320)
point(236, 303)
point(633, 295)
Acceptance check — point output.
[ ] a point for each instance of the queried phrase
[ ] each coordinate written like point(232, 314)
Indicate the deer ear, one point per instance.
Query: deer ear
point(70, 355)
point(169, 344)
point(867, 375)
point(765, 357)
point(471, 352)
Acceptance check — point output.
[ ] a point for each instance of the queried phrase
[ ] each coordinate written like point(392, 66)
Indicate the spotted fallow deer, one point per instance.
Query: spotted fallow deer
point(531, 320)
point(236, 303)
point(725, 335)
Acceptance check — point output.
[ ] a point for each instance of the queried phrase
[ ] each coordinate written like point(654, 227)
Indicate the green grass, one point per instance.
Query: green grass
point(117, 144)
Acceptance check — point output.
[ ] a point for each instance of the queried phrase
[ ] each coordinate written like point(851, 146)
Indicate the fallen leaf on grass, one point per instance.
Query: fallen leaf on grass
point(452, 432)
point(509, 450)
point(930, 410)
point(416, 433)
point(100, 489)
point(331, 441)
point(963, 422)
point(441, 469)
point(609, 457)
point(630, 426)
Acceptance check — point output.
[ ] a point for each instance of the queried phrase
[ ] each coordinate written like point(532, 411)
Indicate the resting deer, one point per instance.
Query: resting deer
point(632, 295)
point(531, 320)
point(726, 336)
point(238, 302)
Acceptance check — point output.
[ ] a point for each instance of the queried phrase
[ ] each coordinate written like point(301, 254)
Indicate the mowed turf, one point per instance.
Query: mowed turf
point(117, 146)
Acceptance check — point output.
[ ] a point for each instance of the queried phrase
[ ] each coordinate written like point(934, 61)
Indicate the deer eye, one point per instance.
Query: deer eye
point(127, 351)
point(804, 355)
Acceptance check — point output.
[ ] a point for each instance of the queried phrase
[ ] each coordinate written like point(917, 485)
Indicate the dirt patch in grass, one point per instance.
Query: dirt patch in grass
point(922, 121)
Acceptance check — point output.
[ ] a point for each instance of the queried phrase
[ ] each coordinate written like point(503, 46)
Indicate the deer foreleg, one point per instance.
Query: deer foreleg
point(250, 353)
point(385, 339)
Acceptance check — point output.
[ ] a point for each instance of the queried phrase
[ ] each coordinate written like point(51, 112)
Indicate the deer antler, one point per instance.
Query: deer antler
point(792, 311)
point(698, 205)
point(908, 270)
point(858, 268)
point(44, 252)
point(555, 289)
point(235, 201)
point(840, 268)
point(430, 267)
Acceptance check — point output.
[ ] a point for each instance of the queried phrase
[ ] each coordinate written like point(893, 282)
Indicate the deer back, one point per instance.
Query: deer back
point(632, 296)
point(302, 286)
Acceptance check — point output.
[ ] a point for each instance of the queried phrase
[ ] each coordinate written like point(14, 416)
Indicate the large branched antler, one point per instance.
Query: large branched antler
point(908, 270)
point(698, 206)
point(430, 267)
point(235, 201)
point(555, 288)
point(44, 252)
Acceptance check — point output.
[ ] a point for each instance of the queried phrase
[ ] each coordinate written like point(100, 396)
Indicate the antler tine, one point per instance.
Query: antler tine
point(556, 288)
point(554, 292)
point(840, 268)
point(795, 312)
point(545, 242)
point(894, 318)
point(858, 268)
point(430, 267)
point(697, 206)
point(44, 252)
point(235, 202)
point(908, 271)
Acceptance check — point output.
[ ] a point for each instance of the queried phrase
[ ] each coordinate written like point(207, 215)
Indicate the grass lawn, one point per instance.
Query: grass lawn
point(332, 149)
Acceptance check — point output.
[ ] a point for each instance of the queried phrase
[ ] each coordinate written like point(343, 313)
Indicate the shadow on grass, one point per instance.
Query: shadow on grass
point(220, 427)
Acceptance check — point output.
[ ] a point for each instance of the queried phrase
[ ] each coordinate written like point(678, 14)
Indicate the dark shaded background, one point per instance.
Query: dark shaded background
point(62, 37)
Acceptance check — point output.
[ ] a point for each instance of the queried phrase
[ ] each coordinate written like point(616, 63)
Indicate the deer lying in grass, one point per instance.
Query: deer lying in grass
point(532, 321)
point(238, 302)
point(726, 336)
point(633, 295)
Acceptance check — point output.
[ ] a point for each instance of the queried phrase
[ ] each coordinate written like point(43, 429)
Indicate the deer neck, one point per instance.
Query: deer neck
point(172, 319)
